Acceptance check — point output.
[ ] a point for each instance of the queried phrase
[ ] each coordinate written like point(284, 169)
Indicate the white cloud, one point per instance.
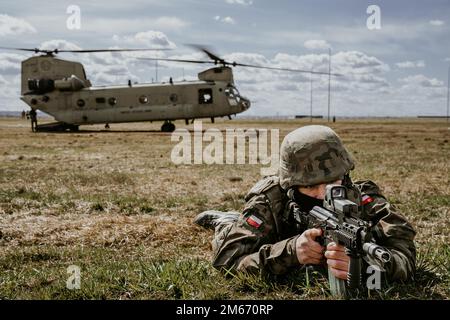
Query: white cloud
point(279, 37)
point(197, 55)
point(316, 44)
point(318, 62)
point(240, 2)
point(150, 39)
point(58, 44)
point(228, 20)
point(112, 70)
point(128, 25)
point(252, 75)
point(168, 23)
point(10, 62)
point(247, 58)
point(411, 64)
point(14, 26)
point(437, 23)
point(361, 73)
point(447, 59)
point(357, 62)
point(9, 93)
point(422, 81)
point(389, 39)
point(102, 78)
point(101, 68)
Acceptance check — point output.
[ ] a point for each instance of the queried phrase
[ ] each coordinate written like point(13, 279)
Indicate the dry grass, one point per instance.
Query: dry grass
point(113, 203)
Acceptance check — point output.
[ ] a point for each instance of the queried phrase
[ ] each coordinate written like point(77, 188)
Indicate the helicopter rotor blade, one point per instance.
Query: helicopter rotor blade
point(36, 50)
point(177, 60)
point(111, 50)
point(217, 59)
point(208, 52)
point(281, 69)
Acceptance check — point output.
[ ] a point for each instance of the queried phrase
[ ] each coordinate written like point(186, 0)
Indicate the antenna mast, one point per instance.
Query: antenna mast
point(448, 93)
point(311, 99)
point(329, 82)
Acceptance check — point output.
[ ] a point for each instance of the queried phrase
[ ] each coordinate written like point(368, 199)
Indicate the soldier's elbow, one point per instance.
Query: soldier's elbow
point(404, 267)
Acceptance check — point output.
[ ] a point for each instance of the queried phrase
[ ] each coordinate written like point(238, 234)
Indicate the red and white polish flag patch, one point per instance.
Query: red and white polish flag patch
point(255, 222)
point(367, 199)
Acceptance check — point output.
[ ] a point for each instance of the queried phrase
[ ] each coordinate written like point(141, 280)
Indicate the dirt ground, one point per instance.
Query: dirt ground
point(113, 202)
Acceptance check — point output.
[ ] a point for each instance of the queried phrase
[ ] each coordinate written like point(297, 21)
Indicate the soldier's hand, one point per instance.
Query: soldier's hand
point(337, 260)
point(308, 250)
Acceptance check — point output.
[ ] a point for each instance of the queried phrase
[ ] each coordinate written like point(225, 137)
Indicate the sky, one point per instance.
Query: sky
point(394, 61)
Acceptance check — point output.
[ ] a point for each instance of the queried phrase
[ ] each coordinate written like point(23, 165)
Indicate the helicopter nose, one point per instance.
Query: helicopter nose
point(245, 103)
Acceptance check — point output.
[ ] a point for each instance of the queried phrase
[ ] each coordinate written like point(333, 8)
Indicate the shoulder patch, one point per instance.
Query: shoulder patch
point(254, 221)
point(366, 199)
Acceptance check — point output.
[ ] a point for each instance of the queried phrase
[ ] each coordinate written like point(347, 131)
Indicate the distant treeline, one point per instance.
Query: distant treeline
point(18, 114)
point(11, 114)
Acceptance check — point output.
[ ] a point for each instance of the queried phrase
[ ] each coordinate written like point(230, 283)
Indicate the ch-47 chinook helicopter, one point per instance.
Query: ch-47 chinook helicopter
point(61, 89)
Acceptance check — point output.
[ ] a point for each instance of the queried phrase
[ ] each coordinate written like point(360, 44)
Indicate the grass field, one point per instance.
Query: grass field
point(113, 203)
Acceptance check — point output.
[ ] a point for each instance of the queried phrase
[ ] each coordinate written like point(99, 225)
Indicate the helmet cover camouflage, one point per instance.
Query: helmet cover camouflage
point(313, 155)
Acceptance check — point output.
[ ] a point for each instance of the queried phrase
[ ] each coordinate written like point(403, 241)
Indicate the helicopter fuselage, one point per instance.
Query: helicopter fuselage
point(141, 102)
point(60, 88)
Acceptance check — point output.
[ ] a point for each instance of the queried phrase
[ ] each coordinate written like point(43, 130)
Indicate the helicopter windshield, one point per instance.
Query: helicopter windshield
point(233, 95)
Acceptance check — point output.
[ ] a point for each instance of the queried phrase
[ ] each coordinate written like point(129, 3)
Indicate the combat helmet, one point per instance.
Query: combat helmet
point(313, 155)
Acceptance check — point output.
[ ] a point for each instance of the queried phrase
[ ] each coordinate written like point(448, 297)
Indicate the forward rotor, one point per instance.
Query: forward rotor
point(216, 60)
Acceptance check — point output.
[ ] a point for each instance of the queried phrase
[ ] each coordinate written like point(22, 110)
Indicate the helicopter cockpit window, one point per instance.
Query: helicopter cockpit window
point(233, 95)
point(143, 99)
point(205, 96)
point(112, 101)
point(232, 91)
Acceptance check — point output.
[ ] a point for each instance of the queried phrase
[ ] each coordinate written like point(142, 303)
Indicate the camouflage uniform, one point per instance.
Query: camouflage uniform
point(263, 238)
point(270, 248)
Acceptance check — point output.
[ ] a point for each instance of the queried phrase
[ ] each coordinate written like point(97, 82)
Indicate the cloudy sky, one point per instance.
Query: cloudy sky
point(399, 69)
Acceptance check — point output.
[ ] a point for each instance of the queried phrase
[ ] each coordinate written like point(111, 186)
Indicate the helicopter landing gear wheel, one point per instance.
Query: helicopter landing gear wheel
point(168, 127)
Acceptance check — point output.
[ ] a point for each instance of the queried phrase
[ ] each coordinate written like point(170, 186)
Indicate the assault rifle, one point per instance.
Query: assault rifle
point(340, 223)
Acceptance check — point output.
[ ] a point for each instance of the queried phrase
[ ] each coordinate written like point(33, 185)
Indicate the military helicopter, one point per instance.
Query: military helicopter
point(61, 89)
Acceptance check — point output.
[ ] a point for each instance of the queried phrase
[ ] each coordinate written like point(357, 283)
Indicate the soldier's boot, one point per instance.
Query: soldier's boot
point(211, 219)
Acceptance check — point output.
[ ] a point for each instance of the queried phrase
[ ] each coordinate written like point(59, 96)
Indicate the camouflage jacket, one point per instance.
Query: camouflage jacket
point(262, 240)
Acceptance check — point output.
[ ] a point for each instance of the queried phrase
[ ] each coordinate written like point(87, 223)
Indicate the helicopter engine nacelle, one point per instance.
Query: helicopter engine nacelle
point(217, 74)
point(70, 84)
point(41, 86)
point(41, 73)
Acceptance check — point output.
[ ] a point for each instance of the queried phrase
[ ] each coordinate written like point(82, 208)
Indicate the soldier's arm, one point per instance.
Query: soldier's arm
point(395, 233)
point(251, 244)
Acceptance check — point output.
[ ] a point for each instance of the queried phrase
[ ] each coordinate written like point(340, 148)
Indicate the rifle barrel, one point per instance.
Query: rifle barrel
point(377, 251)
